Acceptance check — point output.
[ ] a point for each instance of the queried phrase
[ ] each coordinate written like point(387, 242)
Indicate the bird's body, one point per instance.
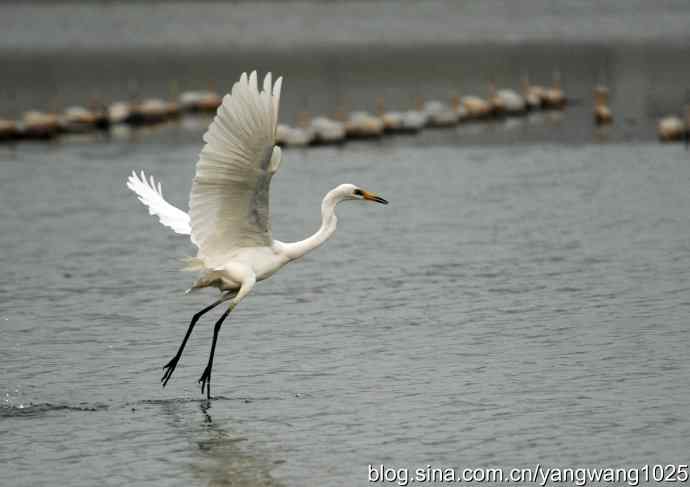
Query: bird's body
point(533, 94)
point(261, 262)
point(511, 102)
point(602, 115)
point(294, 136)
point(229, 220)
point(199, 101)
point(397, 122)
point(671, 128)
point(459, 108)
point(392, 121)
point(602, 112)
point(441, 115)
point(79, 119)
point(476, 107)
point(327, 131)
point(554, 97)
point(363, 125)
point(40, 125)
point(8, 130)
point(120, 112)
point(413, 121)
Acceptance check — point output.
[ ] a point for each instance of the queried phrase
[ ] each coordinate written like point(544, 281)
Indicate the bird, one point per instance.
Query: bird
point(413, 121)
point(510, 102)
point(554, 97)
point(300, 135)
point(229, 220)
point(602, 112)
point(459, 108)
point(533, 94)
point(120, 112)
point(78, 119)
point(8, 130)
point(392, 120)
point(199, 101)
point(671, 128)
point(441, 115)
point(294, 136)
point(476, 107)
point(494, 100)
point(363, 125)
point(40, 125)
point(327, 131)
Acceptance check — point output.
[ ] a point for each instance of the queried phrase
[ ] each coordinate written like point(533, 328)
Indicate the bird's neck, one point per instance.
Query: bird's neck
point(329, 221)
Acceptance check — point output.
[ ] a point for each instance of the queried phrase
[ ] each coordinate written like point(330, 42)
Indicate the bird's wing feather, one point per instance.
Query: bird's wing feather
point(229, 202)
point(150, 194)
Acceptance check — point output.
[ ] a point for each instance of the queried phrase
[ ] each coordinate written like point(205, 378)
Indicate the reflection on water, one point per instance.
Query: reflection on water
point(211, 453)
point(221, 461)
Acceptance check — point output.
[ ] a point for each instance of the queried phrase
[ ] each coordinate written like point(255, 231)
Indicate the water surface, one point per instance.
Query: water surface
point(513, 304)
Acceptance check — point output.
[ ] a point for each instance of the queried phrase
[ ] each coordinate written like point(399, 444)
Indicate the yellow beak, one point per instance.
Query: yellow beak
point(373, 197)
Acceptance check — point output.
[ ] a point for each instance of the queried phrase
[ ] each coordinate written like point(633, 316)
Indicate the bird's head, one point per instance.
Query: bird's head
point(352, 192)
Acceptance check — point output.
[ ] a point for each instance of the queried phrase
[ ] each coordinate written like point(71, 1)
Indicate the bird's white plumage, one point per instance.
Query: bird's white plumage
point(150, 194)
point(229, 201)
point(229, 217)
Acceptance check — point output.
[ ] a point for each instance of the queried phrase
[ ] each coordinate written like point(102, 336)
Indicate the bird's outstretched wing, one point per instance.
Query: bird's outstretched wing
point(229, 202)
point(151, 195)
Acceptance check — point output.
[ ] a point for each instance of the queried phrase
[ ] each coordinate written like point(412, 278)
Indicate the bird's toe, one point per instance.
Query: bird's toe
point(169, 368)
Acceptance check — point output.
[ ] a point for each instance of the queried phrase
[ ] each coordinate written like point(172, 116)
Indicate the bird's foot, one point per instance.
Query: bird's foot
point(205, 381)
point(169, 368)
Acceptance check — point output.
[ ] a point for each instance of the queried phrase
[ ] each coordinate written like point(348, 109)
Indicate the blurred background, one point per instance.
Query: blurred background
point(523, 299)
point(346, 54)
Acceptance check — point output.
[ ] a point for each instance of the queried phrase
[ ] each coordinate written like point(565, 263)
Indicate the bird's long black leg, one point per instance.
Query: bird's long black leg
point(170, 366)
point(205, 379)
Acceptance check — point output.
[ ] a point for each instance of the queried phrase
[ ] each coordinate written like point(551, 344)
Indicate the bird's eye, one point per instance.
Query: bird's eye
point(358, 192)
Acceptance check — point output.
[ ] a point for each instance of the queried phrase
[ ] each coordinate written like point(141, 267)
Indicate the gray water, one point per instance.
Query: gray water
point(290, 24)
point(514, 304)
point(524, 298)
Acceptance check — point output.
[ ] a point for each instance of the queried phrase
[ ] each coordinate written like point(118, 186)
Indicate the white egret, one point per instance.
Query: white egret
point(229, 219)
